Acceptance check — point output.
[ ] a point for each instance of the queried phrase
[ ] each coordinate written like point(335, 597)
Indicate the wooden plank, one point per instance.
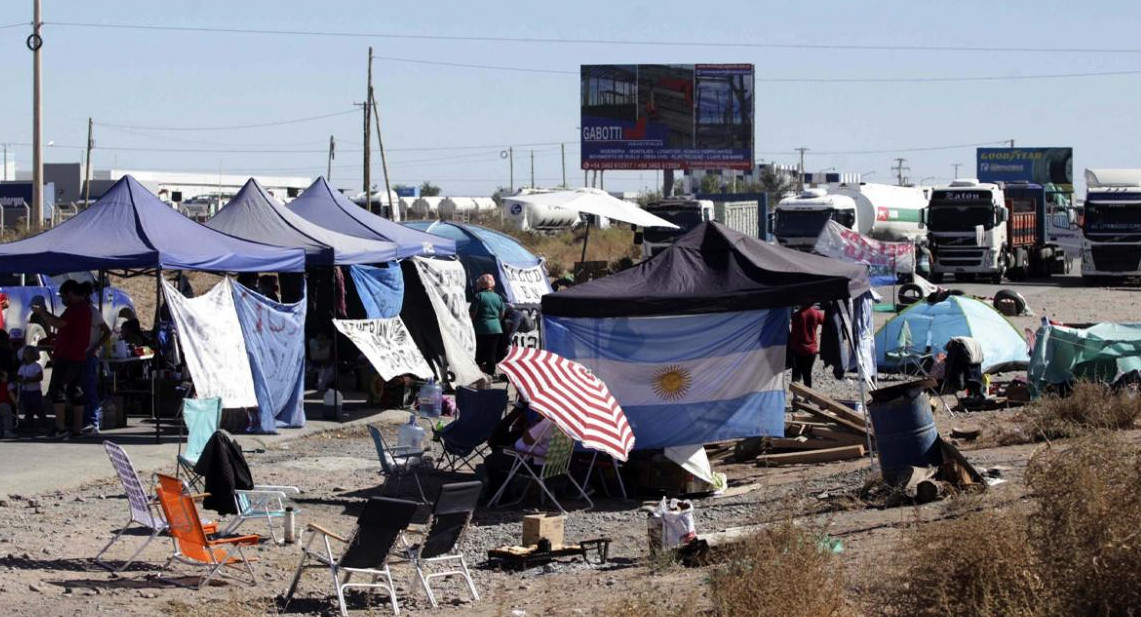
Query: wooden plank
point(800, 443)
point(840, 435)
point(827, 403)
point(827, 415)
point(826, 455)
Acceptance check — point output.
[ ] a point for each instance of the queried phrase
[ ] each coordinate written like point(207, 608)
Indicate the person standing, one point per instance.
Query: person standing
point(69, 356)
point(487, 310)
point(804, 342)
point(100, 334)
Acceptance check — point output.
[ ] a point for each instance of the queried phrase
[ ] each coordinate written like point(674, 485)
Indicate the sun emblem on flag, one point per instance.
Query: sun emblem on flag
point(672, 382)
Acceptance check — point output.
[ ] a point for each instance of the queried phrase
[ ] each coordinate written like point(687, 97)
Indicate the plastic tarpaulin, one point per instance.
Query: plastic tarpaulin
point(444, 283)
point(381, 290)
point(1104, 353)
point(685, 379)
point(274, 337)
point(387, 344)
point(212, 344)
point(885, 259)
point(129, 227)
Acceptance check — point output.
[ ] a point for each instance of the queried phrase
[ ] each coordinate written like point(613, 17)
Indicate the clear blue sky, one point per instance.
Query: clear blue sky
point(194, 79)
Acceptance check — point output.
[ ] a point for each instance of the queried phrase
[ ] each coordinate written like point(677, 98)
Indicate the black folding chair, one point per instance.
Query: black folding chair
point(450, 519)
point(366, 550)
point(466, 438)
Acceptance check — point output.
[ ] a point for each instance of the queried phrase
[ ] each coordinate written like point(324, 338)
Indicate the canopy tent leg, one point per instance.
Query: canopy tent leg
point(585, 239)
point(336, 359)
point(157, 356)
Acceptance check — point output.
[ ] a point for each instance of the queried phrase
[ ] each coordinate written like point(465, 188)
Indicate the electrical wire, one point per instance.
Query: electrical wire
point(628, 42)
point(227, 128)
point(23, 23)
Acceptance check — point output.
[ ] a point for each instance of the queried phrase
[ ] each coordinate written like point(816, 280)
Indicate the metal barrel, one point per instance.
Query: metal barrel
point(904, 428)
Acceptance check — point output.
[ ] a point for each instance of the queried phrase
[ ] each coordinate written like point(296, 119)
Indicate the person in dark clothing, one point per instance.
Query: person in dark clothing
point(804, 342)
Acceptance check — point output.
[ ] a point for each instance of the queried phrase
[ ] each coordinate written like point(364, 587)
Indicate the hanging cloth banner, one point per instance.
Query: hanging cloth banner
point(525, 285)
point(444, 282)
point(212, 344)
point(886, 259)
point(381, 289)
point(275, 345)
point(387, 345)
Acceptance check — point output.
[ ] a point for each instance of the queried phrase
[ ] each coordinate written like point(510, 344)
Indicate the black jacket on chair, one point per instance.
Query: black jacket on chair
point(224, 470)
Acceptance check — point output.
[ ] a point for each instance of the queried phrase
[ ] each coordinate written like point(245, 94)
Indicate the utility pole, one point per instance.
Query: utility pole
point(956, 166)
point(368, 138)
point(5, 172)
point(1012, 143)
point(35, 42)
point(562, 148)
point(800, 172)
point(511, 164)
point(900, 168)
point(332, 155)
point(532, 169)
point(383, 162)
point(87, 169)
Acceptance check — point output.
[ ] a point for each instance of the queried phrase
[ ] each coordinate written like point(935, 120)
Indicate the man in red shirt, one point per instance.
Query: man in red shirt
point(69, 357)
point(804, 342)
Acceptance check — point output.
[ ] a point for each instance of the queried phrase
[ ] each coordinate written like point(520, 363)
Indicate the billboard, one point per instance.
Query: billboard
point(667, 116)
point(1036, 165)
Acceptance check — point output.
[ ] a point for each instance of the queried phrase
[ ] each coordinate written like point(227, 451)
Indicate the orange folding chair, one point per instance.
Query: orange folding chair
point(191, 545)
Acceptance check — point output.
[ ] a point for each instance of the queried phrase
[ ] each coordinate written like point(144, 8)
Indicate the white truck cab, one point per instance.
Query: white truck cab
point(800, 218)
point(965, 230)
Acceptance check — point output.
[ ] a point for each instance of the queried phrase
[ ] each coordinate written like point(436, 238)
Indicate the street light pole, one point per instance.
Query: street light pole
point(34, 43)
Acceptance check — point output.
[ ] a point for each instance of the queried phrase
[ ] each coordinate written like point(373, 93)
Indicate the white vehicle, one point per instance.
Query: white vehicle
point(965, 230)
point(1111, 229)
point(881, 211)
point(742, 216)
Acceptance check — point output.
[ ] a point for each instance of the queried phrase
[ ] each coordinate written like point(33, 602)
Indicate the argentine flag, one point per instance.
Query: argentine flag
point(685, 379)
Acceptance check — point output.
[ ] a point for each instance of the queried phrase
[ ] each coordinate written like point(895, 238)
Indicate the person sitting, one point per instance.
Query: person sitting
point(131, 333)
point(321, 359)
point(532, 435)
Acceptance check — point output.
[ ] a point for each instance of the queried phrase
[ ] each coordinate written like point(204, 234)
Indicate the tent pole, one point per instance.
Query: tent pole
point(585, 239)
point(336, 360)
point(157, 355)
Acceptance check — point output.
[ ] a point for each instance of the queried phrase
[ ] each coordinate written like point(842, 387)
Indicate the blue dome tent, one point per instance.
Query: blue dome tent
point(932, 325)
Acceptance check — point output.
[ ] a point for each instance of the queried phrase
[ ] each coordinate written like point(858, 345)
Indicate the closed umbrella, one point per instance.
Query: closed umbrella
point(569, 395)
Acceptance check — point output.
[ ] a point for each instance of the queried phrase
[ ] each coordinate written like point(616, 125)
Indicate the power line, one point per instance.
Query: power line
point(627, 42)
point(226, 128)
point(22, 23)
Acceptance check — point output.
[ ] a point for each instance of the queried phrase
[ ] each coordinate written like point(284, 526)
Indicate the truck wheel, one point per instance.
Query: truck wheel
point(910, 294)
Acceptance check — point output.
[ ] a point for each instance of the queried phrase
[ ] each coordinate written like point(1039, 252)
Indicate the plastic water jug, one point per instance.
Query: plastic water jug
point(430, 399)
point(410, 435)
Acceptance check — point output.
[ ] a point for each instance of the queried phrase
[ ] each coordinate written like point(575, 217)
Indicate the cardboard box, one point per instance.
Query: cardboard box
point(549, 526)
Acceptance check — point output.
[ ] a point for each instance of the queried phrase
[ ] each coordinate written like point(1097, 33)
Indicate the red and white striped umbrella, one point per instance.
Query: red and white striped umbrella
point(568, 394)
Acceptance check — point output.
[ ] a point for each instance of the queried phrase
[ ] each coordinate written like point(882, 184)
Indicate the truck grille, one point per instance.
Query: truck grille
point(959, 257)
point(1116, 258)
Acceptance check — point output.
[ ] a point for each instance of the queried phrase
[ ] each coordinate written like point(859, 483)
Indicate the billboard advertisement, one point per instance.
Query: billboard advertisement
point(667, 116)
point(1036, 165)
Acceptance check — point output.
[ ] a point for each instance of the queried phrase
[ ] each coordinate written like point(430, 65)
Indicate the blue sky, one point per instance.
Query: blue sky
point(187, 79)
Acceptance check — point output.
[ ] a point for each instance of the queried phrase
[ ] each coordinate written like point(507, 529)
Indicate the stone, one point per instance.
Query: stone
point(35, 588)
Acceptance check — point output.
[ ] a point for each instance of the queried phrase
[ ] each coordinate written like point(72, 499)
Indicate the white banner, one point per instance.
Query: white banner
point(445, 282)
point(839, 242)
point(387, 345)
point(525, 285)
point(212, 344)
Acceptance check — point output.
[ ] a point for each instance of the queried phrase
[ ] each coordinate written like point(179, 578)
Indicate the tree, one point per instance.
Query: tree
point(776, 185)
point(427, 189)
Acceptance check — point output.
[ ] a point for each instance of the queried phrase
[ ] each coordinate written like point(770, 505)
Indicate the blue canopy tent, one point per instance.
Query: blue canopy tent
point(484, 251)
point(254, 215)
point(323, 205)
point(932, 325)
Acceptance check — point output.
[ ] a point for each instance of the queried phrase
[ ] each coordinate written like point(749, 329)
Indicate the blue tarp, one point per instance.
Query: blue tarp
point(275, 344)
point(129, 227)
point(254, 215)
point(482, 251)
point(932, 325)
point(381, 290)
point(323, 205)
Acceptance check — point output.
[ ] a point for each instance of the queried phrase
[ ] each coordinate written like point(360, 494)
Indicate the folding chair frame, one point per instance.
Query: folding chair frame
point(414, 552)
point(157, 524)
point(539, 478)
point(328, 560)
point(263, 502)
point(418, 563)
point(405, 461)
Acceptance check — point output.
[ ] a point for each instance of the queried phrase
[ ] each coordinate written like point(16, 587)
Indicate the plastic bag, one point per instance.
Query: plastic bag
point(677, 522)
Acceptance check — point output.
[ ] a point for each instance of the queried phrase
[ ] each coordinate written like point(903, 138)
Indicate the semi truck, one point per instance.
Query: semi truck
point(881, 211)
point(1111, 227)
point(965, 230)
point(742, 215)
point(1032, 248)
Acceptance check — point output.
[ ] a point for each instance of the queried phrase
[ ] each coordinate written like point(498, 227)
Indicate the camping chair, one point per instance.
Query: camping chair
point(398, 462)
point(908, 360)
point(263, 502)
point(191, 546)
point(144, 510)
point(201, 417)
point(555, 463)
point(366, 550)
point(450, 517)
point(465, 438)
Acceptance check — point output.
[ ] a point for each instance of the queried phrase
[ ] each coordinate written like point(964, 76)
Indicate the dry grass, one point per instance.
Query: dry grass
point(642, 606)
point(1090, 406)
point(784, 570)
point(562, 250)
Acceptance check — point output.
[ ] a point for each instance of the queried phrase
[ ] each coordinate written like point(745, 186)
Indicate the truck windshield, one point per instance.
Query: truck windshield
point(1113, 217)
point(809, 223)
point(685, 218)
point(959, 216)
point(80, 277)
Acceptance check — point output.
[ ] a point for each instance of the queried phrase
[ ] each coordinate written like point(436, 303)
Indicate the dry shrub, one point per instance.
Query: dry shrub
point(982, 564)
point(1087, 528)
point(783, 569)
point(1088, 406)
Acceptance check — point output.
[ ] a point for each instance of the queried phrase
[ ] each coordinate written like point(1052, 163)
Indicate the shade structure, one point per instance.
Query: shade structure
point(599, 203)
point(130, 228)
point(254, 215)
point(569, 395)
point(325, 206)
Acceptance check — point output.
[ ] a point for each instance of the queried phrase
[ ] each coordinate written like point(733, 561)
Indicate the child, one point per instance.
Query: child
point(8, 418)
point(31, 393)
